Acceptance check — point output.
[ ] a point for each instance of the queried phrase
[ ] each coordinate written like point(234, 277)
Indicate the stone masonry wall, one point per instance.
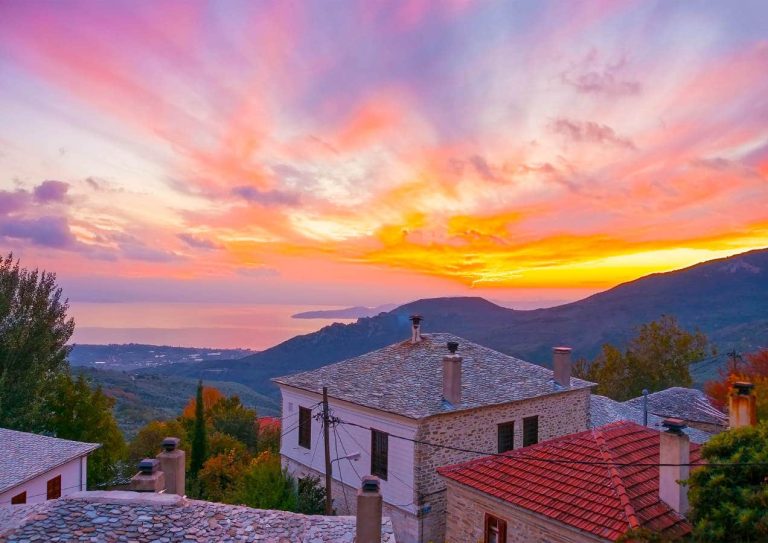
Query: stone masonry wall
point(404, 524)
point(559, 414)
point(466, 519)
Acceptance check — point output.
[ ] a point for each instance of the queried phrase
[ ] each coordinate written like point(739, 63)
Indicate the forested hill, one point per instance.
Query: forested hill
point(727, 299)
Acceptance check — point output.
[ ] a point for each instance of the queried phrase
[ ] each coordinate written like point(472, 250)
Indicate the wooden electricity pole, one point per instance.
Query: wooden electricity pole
point(328, 465)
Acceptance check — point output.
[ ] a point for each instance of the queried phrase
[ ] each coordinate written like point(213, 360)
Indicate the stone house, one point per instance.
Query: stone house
point(35, 468)
point(404, 410)
point(688, 404)
point(591, 486)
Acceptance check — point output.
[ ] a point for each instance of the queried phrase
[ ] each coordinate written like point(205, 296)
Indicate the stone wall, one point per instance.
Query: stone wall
point(404, 523)
point(559, 414)
point(466, 519)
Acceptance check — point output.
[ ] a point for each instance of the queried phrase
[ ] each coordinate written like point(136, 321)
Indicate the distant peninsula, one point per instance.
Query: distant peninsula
point(356, 312)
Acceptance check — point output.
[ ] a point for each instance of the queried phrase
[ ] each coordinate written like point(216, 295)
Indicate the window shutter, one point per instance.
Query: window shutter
point(502, 524)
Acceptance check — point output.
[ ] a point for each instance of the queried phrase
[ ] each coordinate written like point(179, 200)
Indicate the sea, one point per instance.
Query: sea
point(214, 325)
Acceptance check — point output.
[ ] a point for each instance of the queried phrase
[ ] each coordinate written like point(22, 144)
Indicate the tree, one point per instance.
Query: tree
point(266, 485)
point(34, 330)
point(658, 357)
point(221, 473)
point(730, 502)
point(80, 413)
point(199, 437)
point(211, 396)
point(269, 434)
point(753, 369)
point(231, 417)
point(220, 443)
point(310, 496)
point(148, 440)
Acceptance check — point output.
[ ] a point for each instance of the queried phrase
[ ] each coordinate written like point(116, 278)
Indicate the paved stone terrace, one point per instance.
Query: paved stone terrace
point(106, 517)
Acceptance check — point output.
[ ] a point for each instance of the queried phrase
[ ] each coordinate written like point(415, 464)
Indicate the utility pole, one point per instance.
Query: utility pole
point(328, 465)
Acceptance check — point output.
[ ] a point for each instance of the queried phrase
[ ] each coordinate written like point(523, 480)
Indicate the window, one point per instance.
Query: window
point(54, 488)
point(530, 431)
point(19, 499)
point(379, 453)
point(506, 436)
point(495, 530)
point(305, 427)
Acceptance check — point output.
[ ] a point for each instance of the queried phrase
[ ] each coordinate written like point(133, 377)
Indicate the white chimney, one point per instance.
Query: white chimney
point(674, 450)
point(561, 366)
point(172, 464)
point(416, 331)
point(452, 375)
point(742, 406)
point(369, 511)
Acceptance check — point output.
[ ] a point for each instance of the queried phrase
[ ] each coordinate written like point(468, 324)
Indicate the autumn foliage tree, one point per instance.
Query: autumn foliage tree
point(658, 357)
point(753, 368)
point(211, 396)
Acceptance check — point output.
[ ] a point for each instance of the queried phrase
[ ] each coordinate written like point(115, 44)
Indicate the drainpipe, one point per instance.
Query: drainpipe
point(645, 407)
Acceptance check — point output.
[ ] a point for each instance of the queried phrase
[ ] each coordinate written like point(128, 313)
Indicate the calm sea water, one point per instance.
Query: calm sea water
point(193, 325)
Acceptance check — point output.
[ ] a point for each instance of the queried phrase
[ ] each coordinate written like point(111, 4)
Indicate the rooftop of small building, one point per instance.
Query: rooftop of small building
point(598, 481)
point(144, 518)
point(25, 455)
point(604, 410)
point(406, 378)
point(685, 403)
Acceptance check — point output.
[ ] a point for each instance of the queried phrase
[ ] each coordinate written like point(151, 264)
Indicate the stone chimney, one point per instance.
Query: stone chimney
point(561, 366)
point(149, 478)
point(674, 448)
point(369, 511)
point(452, 375)
point(742, 408)
point(172, 464)
point(416, 330)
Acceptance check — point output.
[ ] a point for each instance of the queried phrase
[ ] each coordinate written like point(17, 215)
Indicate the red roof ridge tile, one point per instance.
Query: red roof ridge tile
point(605, 453)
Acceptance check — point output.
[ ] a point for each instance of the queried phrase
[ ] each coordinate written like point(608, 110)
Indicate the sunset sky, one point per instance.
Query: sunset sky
point(364, 152)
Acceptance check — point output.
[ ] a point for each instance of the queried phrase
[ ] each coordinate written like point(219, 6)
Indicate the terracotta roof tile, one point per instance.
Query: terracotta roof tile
point(605, 500)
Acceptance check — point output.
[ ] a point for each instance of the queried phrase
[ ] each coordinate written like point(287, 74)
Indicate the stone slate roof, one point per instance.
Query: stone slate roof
point(24, 456)
point(144, 518)
point(602, 500)
point(406, 378)
point(603, 410)
point(683, 403)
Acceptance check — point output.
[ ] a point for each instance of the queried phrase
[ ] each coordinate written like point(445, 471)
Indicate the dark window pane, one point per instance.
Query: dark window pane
point(19, 499)
point(305, 427)
point(530, 431)
point(506, 436)
point(54, 488)
point(379, 453)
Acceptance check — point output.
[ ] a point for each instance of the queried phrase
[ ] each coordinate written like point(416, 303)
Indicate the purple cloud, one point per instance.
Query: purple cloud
point(44, 231)
point(590, 132)
point(140, 251)
point(51, 191)
point(590, 78)
point(197, 242)
point(12, 201)
point(267, 197)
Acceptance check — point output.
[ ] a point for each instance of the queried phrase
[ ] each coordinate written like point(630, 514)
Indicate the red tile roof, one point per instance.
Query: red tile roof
point(605, 500)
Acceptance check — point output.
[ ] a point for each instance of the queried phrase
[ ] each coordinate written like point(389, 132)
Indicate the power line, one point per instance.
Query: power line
point(518, 456)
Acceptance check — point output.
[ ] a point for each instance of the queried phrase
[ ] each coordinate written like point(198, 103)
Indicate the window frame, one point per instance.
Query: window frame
point(53, 488)
point(379, 454)
point(503, 426)
point(500, 525)
point(305, 427)
point(528, 430)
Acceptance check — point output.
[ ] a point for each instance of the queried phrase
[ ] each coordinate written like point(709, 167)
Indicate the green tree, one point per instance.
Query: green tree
point(730, 503)
point(80, 413)
point(34, 330)
point(199, 435)
point(658, 357)
point(310, 496)
point(148, 440)
point(231, 417)
point(266, 485)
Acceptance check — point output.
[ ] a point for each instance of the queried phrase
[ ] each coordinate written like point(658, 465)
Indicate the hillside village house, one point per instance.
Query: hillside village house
point(35, 468)
point(156, 510)
point(435, 388)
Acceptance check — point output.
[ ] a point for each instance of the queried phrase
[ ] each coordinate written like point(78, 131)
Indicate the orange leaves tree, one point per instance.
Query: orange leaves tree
point(753, 368)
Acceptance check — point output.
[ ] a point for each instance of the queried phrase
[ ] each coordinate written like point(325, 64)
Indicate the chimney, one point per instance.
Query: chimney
point(742, 409)
point(452, 375)
point(172, 464)
point(416, 332)
point(561, 366)
point(674, 448)
point(149, 478)
point(369, 511)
